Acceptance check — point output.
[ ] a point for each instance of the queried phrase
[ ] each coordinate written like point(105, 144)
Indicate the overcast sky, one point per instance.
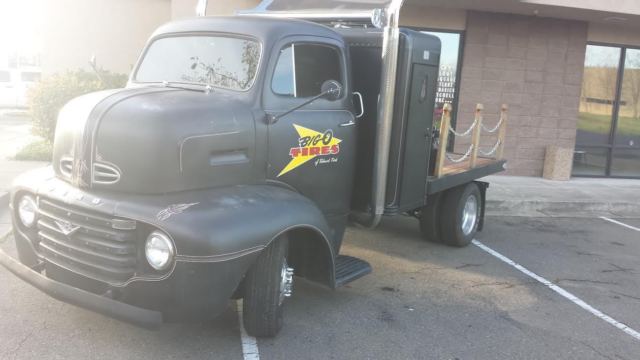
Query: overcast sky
point(20, 27)
point(450, 47)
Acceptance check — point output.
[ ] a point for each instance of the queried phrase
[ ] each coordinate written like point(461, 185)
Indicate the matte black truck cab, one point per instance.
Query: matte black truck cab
point(231, 162)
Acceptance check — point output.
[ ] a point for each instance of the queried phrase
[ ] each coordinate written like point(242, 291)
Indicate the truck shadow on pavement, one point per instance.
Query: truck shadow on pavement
point(430, 301)
point(422, 301)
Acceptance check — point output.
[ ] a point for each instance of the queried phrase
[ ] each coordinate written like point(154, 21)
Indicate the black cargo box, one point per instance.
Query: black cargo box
point(416, 86)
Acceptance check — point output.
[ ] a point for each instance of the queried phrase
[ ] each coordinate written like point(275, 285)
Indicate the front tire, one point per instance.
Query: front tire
point(267, 284)
point(461, 212)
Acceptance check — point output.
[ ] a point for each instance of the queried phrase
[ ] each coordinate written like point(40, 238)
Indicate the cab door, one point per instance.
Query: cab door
point(311, 149)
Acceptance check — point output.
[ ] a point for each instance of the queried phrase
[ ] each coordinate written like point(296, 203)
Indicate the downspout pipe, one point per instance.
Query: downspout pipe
point(390, 49)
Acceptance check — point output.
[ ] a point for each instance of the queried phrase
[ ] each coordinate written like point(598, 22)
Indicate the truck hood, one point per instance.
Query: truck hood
point(154, 140)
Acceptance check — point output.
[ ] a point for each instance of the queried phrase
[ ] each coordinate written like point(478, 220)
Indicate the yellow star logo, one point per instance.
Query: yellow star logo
point(312, 144)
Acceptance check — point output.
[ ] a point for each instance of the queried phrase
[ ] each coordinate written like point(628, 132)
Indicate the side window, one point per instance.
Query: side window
point(302, 68)
point(283, 82)
point(5, 76)
point(30, 76)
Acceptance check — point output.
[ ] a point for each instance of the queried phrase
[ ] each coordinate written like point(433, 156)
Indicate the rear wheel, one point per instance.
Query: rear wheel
point(430, 220)
point(268, 283)
point(460, 215)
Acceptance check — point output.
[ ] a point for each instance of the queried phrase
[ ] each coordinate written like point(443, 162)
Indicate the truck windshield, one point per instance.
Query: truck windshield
point(219, 61)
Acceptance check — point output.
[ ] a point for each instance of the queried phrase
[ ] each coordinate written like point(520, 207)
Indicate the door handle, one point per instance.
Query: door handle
point(350, 123)
point(359, 95)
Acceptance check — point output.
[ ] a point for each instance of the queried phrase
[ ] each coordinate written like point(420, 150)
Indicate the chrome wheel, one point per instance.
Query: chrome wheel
point(469, 215)
point(286, 281)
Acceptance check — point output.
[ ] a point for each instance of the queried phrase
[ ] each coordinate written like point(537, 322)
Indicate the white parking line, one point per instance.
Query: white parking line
point(249, 343)
point(620, 223)
point(576, 300)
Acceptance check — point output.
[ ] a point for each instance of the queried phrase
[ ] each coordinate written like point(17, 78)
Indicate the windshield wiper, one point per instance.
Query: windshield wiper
point(206, 88)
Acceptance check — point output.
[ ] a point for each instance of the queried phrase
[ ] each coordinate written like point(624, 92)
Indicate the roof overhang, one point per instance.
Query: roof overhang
point(373, 11)
point(621, 12)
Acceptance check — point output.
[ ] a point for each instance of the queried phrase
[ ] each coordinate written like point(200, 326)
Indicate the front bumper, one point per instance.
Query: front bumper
point(90, 301)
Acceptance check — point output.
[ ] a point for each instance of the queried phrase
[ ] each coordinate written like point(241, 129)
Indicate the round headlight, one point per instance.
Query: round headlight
point(159, 250)
point(27, 210)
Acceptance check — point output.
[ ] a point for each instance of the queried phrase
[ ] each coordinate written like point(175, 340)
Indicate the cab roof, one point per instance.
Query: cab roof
point(265, 29)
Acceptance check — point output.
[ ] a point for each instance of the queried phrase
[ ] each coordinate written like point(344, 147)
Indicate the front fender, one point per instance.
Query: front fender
point(210, 225)
point(225, 221)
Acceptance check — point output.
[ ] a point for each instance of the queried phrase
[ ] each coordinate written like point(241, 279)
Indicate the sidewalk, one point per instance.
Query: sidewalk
point(579, 197)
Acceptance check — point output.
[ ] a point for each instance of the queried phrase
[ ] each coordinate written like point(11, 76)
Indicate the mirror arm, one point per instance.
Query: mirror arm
point(272, 119)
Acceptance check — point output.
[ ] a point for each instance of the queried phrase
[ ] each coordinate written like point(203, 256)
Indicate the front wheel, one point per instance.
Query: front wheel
point(461, 212)
point(268, 283)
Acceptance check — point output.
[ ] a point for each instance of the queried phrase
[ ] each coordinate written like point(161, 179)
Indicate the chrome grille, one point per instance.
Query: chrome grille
point(86, 243)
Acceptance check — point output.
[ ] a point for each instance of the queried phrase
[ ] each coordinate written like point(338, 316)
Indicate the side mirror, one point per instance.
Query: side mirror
point(331, 89)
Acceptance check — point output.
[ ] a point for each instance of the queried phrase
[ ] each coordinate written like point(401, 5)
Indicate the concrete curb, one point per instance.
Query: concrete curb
point(569, 209)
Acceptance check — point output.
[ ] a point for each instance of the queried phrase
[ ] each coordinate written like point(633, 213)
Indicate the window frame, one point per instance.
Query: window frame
point(610, 146)
point(134, 73)
point(338, 51)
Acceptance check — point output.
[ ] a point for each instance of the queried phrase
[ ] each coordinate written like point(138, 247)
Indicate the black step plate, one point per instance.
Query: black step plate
point(349, 268)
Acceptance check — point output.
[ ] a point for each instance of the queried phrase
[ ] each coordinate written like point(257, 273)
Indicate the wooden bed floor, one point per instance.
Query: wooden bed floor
point(450, 169)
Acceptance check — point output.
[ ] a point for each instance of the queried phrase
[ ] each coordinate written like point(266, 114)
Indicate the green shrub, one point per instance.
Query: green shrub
point(49, 95)
point(40, 150)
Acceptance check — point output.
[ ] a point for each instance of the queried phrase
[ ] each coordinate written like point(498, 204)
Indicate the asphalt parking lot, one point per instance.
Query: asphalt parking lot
point(423, 301)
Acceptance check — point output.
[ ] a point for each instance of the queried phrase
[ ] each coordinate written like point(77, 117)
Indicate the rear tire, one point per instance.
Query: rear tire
point(430, 220)
point(460, 215)
point(264, 293)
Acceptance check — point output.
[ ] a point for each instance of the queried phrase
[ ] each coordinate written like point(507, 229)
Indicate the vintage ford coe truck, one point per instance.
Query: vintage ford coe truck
point(232, 162)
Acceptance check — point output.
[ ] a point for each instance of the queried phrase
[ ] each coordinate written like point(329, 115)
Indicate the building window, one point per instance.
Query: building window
point(608, 134)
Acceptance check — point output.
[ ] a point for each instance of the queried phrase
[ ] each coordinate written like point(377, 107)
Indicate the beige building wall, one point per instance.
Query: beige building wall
point(612, 34)
point(114, 30)
point(533, 64)
point(433, 18)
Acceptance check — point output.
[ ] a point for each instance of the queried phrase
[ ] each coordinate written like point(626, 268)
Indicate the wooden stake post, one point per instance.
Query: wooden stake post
point(475, 139)
point(502, 134)
point(444, 139)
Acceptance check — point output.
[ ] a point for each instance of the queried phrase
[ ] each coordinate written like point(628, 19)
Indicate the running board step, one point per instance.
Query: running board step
point(349, 268)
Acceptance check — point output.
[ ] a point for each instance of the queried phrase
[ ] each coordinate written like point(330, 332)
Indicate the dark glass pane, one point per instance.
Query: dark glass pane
point(598, 94)
point(314, 65)
point(590, 161)
point(214, 60)
point(628, 130)
point(626, 162)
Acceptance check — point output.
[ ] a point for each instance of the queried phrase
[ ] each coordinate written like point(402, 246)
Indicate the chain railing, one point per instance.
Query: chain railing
point(475, 131)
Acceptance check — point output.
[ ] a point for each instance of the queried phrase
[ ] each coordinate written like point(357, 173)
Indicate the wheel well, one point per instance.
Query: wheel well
point(310, 255)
